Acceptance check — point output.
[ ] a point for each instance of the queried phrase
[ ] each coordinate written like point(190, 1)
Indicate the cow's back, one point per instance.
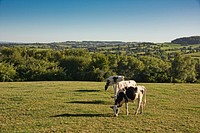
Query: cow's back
point(126, 84)
point(131, 93)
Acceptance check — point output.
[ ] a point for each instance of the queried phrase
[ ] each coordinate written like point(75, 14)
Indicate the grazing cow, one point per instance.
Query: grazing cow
point(118, 83)
point(130, 94)
point(113, 81)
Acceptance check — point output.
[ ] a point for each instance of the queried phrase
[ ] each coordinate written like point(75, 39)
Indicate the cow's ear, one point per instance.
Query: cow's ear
point(111, 107)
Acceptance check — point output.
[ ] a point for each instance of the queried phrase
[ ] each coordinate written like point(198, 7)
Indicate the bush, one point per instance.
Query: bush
point(7, 72)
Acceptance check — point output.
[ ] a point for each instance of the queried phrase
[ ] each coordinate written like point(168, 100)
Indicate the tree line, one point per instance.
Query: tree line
point(187, 40)
point(28, 64)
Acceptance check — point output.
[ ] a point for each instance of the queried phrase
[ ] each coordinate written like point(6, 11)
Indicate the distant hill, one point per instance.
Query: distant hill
point(187, 40)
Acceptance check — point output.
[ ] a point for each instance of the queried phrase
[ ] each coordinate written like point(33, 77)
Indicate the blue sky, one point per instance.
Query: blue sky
point(103, 20)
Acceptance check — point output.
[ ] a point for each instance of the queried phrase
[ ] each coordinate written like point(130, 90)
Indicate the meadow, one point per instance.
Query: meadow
point(85, 107)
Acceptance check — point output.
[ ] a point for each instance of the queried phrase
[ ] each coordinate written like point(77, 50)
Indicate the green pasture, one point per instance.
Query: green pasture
point(85, 107)
point(194, 55)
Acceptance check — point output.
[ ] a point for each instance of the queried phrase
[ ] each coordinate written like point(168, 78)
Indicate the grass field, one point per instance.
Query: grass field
point(85, 107)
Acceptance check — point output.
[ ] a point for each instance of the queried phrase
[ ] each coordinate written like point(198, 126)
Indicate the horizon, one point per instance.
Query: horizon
point(90, 41)
point(40, 21)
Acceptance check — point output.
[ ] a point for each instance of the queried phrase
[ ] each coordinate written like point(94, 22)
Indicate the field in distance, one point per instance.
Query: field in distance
point(85, 107)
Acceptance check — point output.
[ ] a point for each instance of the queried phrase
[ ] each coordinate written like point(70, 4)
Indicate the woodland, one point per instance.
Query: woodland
point(143, 62)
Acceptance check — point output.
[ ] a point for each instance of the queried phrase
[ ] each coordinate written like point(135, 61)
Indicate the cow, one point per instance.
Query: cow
point(113, 81)
point(118, 83)
point(130, 94)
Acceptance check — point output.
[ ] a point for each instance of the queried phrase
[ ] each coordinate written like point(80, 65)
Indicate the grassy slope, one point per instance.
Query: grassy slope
point(84, 107)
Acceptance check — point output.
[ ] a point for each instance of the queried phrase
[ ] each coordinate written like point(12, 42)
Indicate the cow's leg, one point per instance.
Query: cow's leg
point(126, 108)
point(141, 108)
point(139, 104)
point(115, 91)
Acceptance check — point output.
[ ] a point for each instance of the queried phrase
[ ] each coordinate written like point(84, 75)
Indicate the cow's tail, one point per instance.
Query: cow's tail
point(145, 100)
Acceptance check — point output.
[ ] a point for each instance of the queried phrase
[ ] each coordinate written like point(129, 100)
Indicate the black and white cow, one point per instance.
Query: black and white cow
point(113, 81)
point(118, 83)
point(130, 95)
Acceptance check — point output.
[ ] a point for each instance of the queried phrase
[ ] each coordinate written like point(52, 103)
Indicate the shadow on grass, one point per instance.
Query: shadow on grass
point(87, 90)
point(83, 115)
point(89, 102)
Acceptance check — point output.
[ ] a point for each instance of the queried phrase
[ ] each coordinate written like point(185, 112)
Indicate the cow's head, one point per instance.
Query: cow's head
point(107, 84)
point(115, 109)
point(113, 80)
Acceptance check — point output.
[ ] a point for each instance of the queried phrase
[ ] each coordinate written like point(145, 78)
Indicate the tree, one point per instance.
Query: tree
point(74, 67)
point(76, 52)
point(39, 70)
point(183, 69)
point(100, 61)
point(197, 67)
point(7, 72)
point(99, 67)
point(130, 67)
point(122, 65)
point(155, 70)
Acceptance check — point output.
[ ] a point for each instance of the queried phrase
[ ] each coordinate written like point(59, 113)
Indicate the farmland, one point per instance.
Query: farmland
point(85, 107)
point(115, 47)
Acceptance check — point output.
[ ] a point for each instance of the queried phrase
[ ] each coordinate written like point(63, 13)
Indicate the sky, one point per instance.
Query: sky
point(98, 20)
